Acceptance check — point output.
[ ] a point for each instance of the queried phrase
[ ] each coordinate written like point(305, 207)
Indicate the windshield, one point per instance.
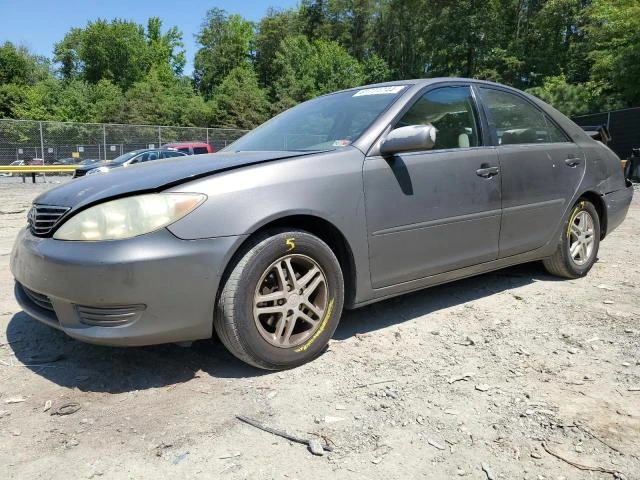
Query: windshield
point(325, 123)
point(123, 158)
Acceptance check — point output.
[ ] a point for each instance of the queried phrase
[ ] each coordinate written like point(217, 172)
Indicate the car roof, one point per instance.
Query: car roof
point(423, 82)
point(187, 144)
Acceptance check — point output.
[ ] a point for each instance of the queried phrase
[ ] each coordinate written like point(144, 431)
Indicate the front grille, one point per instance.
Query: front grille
point(39, 299)
point(43, 218)
point(109, 316)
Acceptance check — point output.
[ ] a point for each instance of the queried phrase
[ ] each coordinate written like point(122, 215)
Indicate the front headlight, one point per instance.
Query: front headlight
point(129, 217)
point(98, 170)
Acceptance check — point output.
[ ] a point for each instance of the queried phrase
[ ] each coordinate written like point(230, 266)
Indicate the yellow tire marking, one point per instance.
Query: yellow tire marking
point(290, 243)
point(322, 328)
point(575, 213)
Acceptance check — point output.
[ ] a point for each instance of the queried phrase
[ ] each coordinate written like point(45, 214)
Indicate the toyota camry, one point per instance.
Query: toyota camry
point(344, 200)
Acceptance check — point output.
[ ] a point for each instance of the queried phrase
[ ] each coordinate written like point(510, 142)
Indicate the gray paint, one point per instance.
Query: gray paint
point(410, 221)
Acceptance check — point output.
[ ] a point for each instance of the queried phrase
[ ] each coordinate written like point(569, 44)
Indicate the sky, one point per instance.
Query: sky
point(39, 24)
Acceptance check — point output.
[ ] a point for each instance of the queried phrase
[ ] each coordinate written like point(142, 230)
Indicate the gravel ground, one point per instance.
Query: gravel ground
point(477, 379)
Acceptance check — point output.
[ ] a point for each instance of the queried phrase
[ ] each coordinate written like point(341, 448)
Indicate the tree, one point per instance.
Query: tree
point(239, 100)
point(119, 51)
point(272, 29)
point(20, 67)
point(306, 70)
point(613, 35)
point(569, 99)
point(227, 43)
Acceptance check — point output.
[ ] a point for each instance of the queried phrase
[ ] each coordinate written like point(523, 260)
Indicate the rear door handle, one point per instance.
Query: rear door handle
point(573, 161)
point(488, 172)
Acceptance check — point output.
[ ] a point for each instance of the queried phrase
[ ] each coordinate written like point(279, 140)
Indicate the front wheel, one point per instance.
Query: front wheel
point(579, 243)
point(282, 300)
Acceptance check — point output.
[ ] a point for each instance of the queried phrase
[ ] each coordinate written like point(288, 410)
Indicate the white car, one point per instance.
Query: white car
point(16, 163)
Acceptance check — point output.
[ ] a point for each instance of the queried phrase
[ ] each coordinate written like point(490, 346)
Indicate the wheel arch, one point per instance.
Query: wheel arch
point(597, 201)
point(321, 228)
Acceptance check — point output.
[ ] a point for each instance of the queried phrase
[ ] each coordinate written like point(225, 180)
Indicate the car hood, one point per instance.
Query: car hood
point(150, 177)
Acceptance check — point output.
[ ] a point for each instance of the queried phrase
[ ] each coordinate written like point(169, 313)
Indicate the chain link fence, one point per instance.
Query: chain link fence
point(26, 140)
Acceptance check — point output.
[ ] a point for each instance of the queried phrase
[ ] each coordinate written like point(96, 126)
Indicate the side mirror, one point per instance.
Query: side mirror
point(407, 139)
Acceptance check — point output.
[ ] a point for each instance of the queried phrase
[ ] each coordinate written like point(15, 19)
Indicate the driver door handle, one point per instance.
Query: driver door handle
point(573, 161)
point(487, 172)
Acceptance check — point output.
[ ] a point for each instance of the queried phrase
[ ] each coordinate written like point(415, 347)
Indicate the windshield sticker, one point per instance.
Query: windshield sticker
point(341, 143)
point(379, 91)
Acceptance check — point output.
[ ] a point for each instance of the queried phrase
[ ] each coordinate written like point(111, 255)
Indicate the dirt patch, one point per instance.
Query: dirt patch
point(435, 384)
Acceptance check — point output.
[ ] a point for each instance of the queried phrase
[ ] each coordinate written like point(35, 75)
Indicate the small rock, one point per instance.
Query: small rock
point(435, 444)
point(450, 411)
point(572, 350)
point(488, 472)
point(626, 364)
point(47, 405)
point(72, 442)
point(483, 387)
point(340, 407)
point(180, 458)
point(608, 302)
point(608, 288)
point(435, 332)
point(4, 413)
point(376, 460)
point(635, 388)
point(12, 400)
point(392, 394)
point(628, 330)
point(457, 378)
point(579, 449)
point(536, 455)
point(330, 419)
point(461, 472)
point(315, 447)
point(16, 433)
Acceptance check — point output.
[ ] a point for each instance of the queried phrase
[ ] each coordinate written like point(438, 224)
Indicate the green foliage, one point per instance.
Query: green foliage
point(239, 101)
point(613, 34)
point(227, 43)
point(579, 55)
point(19, 67)
point(119, 51)
point(569, 99)
point(306, 70)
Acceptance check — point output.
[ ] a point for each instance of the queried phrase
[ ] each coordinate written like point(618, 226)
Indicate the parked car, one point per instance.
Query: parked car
point(15, 163)
point(36, 162)
point(191, 148)
point(344, 200)
point(66, 161)
point(89, 161)
point(130, 158)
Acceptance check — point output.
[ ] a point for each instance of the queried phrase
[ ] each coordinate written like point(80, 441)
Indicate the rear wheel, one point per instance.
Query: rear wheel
point(282, 300)
point(579, 243)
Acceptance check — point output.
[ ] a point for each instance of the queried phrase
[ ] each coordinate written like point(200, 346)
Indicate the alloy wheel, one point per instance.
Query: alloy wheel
point(581, 238)
point(290, 301)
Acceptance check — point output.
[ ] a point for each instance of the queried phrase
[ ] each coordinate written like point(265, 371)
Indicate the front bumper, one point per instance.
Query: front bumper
point(146, 290)
point(617, 205)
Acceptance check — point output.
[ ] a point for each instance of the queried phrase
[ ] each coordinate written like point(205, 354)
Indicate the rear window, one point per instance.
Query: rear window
point(200, 150)
point(184, 149)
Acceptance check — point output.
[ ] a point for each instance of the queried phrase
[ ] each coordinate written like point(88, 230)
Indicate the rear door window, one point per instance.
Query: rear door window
point(200, 150)
point(517, 121)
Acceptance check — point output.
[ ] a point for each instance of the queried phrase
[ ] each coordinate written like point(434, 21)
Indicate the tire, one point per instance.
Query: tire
point(563, 263)
point(263, 267)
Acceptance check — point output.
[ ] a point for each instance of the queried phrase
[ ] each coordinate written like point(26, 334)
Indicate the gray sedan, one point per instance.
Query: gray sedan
point(342, 201)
